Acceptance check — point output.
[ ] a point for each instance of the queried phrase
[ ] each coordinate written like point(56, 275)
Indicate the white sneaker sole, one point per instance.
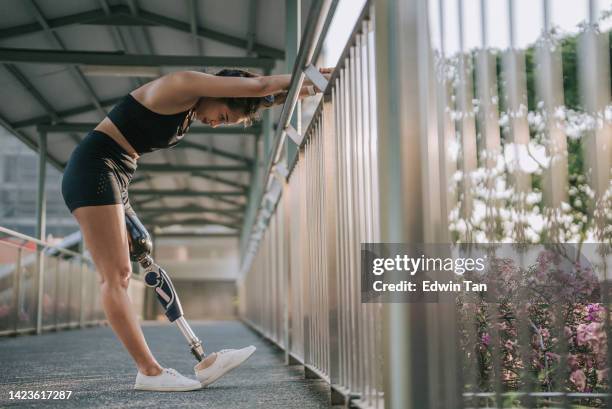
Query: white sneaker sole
point(208, 381)
point(167, 388)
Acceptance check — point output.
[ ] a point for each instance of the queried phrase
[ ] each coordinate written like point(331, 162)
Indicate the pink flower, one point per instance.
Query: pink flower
point(552, 356)
point(578, 378)
point(485, 339)
point(591, 335)
point(602, 374)
point(572, 361)
point(596, 312)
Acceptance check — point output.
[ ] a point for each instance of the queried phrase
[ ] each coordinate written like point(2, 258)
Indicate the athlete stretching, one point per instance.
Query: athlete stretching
point(95, 189)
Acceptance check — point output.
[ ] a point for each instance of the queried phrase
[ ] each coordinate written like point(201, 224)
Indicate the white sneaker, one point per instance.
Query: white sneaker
point(227, 359)
point(168, 380)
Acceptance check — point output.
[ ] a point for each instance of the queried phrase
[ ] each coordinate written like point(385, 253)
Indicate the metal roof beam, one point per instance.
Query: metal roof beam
point(36, 95)
point(193, 26)
point(54, 23)
point(190, 209)
point(21, 55)
point(214, 151)
point(63, 114)
point(87, 126)
point(178, 235)
point(184, 193)
point(190, 222)
point(221, 180)
point(118, 38)
point(251, 26)
point(135, 12)
point(156, 197)
point(83, 83)
point(260, 49)
point(226, 200)
point(155, 216)
point(170, 168)
point(30, 143)
point(121, 15)
point(145, 177)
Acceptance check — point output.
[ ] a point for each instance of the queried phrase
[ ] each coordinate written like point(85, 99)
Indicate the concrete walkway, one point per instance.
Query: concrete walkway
point(99, 372)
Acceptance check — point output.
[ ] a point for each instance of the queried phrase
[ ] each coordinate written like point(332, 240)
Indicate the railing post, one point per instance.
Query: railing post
point(83, 284)
point(446, 134)
point(549, 81)
point(40, 225)
point(516, 106)
point(292, 44)
point(17, 289)
point(486, 81)
point(402, 52)
point(594, 81)
point(466, 123)
point(57, 298)
point(331, 220)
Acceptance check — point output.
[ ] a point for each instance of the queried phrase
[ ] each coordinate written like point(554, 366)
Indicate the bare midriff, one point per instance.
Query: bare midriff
point(109, 128)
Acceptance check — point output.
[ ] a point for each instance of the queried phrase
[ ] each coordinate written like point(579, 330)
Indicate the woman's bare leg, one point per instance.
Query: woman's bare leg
point(104, 231)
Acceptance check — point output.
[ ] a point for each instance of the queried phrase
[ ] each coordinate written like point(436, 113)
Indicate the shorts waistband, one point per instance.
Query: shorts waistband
point(99, 137)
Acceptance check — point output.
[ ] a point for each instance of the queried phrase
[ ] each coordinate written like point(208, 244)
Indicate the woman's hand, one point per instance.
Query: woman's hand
point(327, 72)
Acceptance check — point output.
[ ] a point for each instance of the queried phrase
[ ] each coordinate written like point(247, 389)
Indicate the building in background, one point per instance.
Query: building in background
point(18, 189)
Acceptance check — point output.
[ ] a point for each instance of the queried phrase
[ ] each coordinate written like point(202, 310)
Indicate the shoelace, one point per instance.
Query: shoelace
point(171, 372)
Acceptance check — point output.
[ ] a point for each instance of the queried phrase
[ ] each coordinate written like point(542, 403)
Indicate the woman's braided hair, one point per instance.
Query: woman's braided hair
point(247, 106)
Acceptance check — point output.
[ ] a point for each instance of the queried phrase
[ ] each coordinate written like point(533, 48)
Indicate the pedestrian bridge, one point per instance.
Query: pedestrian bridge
point(94, 366)
point(445, 122)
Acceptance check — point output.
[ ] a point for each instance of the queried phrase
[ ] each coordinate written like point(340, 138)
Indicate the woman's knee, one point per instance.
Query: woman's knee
point(117, 276)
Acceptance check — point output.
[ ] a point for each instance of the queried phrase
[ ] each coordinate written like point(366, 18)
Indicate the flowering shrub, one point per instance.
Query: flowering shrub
point(546, 330)
point(543, 334)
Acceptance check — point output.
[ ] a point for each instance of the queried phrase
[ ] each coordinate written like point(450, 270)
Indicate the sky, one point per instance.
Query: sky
point(565, 14)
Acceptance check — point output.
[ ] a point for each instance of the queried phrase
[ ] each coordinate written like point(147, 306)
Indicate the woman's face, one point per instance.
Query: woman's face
point(214, 112)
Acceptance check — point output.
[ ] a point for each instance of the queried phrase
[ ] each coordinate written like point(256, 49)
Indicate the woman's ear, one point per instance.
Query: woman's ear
point(267, 101)
point(278, 99)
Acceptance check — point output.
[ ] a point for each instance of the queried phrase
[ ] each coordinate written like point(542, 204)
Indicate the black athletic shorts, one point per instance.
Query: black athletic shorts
point(98, 173)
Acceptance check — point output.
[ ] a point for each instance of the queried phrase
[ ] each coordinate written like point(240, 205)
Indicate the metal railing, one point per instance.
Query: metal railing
point(302, 290)
point(44, 287)
point(430, 146)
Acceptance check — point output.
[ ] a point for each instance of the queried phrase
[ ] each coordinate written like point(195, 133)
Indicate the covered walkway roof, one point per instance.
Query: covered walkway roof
point(65, 63)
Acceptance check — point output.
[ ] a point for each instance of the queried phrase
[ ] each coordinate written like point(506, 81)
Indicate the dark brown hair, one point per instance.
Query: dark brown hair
point(247, 106)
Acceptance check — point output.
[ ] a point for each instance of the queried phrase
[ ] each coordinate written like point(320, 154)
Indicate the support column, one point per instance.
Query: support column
point(293, 32)
point(83, 282)
point(402, 58)
point(41, 202)
point(594, 81)
point(549, 86)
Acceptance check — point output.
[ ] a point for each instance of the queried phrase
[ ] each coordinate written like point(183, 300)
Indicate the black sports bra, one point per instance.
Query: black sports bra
point(144, 129)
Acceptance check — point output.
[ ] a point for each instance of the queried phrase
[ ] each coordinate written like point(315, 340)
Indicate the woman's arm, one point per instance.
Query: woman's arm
point(193, 84)
point(198, 84)
point(279, 98)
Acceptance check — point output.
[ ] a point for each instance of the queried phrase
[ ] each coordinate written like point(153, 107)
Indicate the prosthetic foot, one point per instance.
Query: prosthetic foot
point(155, 277)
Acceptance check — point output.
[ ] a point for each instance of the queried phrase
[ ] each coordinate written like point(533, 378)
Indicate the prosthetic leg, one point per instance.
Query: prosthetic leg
point(155, 277)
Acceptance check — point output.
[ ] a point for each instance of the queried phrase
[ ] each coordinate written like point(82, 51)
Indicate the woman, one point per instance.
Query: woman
point(95, 182)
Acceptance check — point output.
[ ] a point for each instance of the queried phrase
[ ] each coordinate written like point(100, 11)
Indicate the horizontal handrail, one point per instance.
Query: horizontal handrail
point(321, 14)
point(42, 243)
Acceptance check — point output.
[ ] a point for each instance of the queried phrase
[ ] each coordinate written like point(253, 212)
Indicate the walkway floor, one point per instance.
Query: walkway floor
point(99, 372)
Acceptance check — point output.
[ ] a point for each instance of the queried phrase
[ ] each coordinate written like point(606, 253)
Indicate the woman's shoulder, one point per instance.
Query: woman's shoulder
point(164, 95)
